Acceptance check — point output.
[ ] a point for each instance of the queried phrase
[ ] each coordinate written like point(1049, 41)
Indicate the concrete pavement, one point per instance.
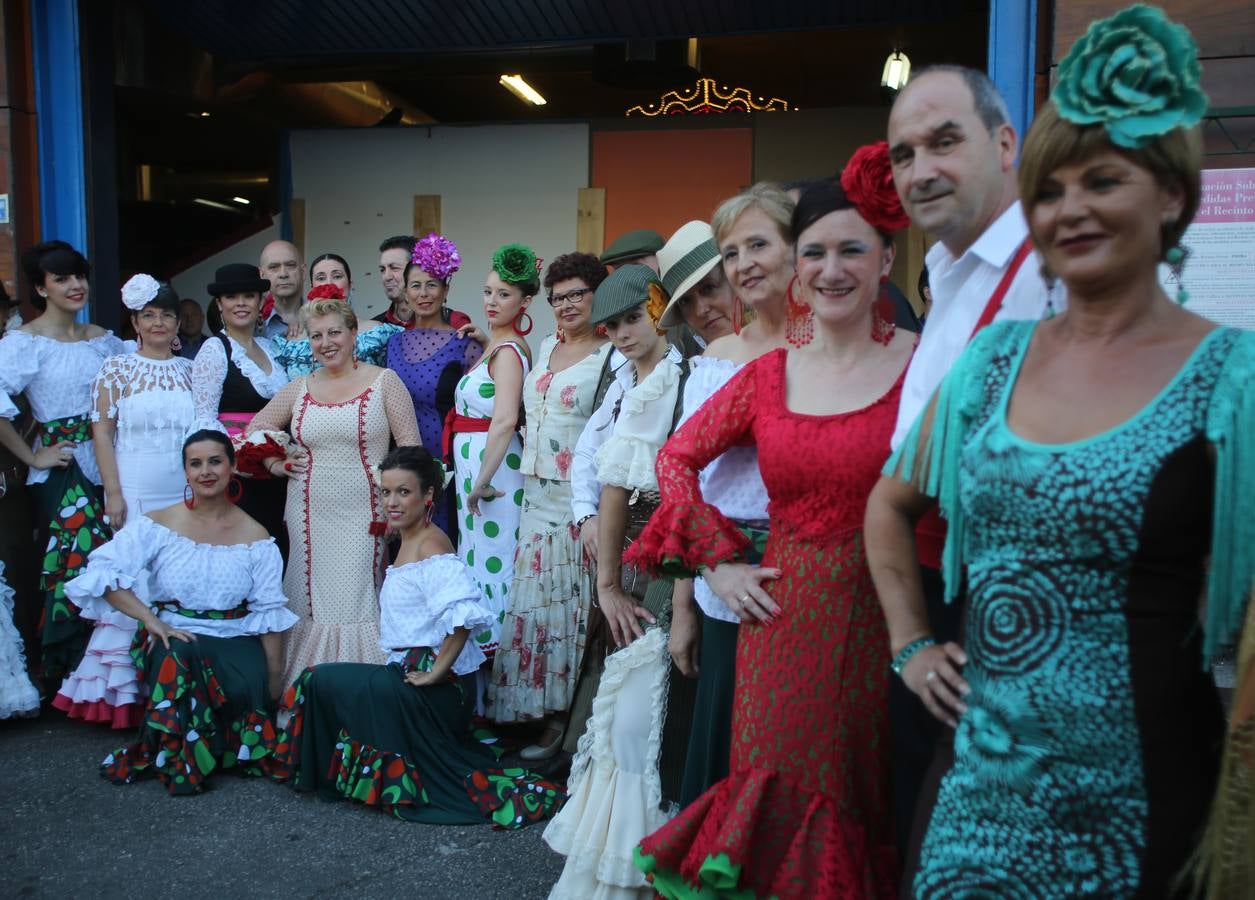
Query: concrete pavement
point(66, 832)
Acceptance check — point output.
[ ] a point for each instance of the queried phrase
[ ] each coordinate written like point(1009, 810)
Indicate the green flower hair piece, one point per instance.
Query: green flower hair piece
point(1135, 73)
point(516, 264)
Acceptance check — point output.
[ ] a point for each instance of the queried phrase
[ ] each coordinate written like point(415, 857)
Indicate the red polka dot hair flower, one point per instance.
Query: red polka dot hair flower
point(867, 180)
point(326, 291)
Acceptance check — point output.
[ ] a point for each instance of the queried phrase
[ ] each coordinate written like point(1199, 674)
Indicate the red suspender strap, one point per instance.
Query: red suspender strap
point(1000, 292)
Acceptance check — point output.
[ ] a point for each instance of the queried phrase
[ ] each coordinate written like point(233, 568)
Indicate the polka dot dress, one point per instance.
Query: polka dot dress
point(487, 542)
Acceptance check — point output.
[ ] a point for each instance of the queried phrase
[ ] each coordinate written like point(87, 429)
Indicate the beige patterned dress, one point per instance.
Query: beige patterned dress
point(336, 563)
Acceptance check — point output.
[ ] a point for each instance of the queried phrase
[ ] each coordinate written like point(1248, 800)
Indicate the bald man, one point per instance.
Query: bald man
point(281, 263)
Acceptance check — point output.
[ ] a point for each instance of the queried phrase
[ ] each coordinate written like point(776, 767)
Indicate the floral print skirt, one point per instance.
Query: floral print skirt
point(542, 636)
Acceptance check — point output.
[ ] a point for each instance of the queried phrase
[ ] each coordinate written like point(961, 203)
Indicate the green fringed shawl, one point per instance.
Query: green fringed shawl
point(929, 459)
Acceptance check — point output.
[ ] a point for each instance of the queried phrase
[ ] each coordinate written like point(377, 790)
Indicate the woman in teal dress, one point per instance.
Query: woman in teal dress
point(398, 736)
point(1096, 473)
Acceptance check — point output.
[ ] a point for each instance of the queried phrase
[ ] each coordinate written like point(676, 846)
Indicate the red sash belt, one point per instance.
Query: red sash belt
point(455, 424)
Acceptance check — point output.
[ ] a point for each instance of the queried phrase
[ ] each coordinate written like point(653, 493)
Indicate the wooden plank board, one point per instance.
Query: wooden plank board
point(590, 224)
point(426, 214)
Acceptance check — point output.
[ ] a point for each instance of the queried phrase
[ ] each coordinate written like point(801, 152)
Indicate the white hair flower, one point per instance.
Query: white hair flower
point(139, 291)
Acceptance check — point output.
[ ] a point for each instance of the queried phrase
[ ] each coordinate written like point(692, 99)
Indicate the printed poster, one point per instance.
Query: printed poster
point(1219, 272)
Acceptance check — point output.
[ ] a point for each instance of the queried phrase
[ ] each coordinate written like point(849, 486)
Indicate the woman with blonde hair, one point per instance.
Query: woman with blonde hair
point(342, 417)
point(753, 237)
point(1094, 469)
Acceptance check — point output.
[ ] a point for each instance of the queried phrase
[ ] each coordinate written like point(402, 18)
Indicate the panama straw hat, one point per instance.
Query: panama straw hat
point(684, 261)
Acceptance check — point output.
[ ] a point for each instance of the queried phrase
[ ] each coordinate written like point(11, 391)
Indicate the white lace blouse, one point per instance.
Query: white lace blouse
point(210, 370)
point(150, 400)
point(421, 604)
point(57, 378)
point(204, 578)
point(731, 483)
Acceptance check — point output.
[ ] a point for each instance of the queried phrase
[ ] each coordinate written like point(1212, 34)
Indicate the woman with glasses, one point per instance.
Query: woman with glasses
point(142, 409)
point(542, 635)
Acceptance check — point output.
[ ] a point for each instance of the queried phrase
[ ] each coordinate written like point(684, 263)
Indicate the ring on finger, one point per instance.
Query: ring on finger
point(932, 673)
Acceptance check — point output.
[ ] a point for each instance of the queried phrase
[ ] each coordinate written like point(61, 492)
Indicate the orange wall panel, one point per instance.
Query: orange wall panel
point(662, 179)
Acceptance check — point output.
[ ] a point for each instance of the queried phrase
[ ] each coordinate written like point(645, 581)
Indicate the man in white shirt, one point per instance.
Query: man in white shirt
point(953, 153)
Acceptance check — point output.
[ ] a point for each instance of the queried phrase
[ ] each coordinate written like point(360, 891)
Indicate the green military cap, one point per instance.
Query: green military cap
point(624, 288)
point(632, 245)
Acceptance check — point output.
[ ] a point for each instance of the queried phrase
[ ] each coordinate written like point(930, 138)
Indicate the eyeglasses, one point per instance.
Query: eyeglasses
point(575, 297)
point(151, 315)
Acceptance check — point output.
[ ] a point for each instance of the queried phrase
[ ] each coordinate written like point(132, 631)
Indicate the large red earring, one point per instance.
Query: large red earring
point(799, 323)
point(561, 335)
point(235, 489)
point(189, 498)
point(738, 315)
point(883, 315)
point(602, 331)
point(431, 506)
point(518, 324)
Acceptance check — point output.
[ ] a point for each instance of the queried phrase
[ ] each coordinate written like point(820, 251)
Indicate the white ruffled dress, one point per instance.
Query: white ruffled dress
point(615, 789)
point(150, 403)
point(18, 697)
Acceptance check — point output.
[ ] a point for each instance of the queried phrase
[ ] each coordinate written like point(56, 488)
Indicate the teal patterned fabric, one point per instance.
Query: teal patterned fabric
point(1049, 794)
point(297, 358)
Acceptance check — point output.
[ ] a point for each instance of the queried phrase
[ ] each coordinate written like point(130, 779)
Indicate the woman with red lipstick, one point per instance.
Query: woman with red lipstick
point(143, 411)
point(542, 637)
point(54, 361)
point(397, 736)
point(341, 418)
point(804, 811)
point(481, 432)
point(211, 637)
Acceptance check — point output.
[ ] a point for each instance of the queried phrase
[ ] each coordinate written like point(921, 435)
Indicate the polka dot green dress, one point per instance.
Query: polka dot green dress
point(487, 542)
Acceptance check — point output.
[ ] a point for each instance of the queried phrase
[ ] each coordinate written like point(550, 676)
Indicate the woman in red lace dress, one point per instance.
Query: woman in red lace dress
point(804, 812)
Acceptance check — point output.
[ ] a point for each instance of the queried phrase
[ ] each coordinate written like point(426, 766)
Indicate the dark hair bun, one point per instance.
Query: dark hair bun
point(418, 460)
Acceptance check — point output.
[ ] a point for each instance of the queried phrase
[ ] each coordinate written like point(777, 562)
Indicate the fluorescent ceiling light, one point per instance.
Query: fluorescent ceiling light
point(243, 200)
point(521, 89)
point(897, 71)
point(214, 203)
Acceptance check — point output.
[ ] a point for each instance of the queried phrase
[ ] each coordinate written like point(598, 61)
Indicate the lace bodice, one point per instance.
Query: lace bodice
point(201, 577)
point(818, 470)
point(421, 603)
point(557, 406)
point(57, 378)
point(149, 400)
point(210, 371)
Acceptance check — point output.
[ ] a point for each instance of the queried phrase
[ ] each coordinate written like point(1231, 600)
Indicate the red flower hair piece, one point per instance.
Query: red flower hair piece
point(867, 180)
point(326, 291)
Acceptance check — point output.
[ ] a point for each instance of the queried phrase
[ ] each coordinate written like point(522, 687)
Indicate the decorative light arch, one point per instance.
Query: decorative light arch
point(705, 97)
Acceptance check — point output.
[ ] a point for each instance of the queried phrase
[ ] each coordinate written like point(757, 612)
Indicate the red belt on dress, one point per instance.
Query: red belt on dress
point(455, 424)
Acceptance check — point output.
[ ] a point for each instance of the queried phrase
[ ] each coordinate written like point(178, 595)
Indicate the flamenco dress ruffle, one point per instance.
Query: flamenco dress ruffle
point(207, 710)
point(615, 788)
point(361, 732)
point(18, 696)
point(105, 687)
